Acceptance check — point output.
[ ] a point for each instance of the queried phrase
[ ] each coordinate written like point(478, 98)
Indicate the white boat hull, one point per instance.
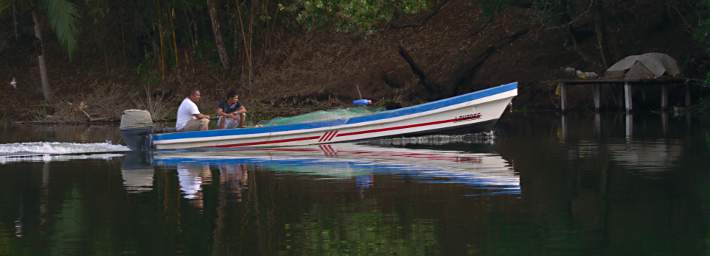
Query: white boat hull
point(437, 117)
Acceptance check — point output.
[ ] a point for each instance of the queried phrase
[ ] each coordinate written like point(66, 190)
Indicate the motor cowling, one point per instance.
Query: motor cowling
point(136, 126)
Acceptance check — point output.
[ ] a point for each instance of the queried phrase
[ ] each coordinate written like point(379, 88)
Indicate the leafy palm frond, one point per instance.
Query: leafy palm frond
point(63, 17)
point(4, 5)
point(20, 6)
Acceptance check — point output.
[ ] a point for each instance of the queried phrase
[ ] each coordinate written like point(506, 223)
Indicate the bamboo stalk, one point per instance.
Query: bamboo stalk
point(175, 48)
point(247, 53)
point(161, 38)
point(46, 89)
point(235, 45)
point(600, 32)
point(14, 20)
point(253, 7)
point(265, 9)
point(219, 42)
point(124, 51)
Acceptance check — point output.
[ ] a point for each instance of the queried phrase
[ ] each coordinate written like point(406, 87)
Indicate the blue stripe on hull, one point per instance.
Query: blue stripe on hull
point(378, 116)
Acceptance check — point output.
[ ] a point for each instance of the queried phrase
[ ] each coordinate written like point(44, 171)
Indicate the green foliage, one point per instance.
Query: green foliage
point(4, 5)
point(97, 9)
point(69, 227)
point(360, 233)
point(549, 11)
point(552, 12)
point(492, 7)
point(702, 30)
point(146, 74)
point(351, 15)
point(63, 17)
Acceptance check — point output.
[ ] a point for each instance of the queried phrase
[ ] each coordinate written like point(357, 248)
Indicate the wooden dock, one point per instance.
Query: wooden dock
point(629, 86)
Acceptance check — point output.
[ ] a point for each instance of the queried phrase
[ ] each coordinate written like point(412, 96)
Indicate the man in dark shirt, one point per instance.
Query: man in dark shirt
point(231, 113)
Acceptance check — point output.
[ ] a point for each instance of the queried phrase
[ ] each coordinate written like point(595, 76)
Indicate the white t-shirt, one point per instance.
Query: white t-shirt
point(185, 112)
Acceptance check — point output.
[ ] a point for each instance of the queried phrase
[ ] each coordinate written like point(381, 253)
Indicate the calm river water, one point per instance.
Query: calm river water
point(546, 185)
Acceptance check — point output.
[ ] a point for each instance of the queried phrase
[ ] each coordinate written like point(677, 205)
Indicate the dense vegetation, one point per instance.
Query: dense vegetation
point(155, 42)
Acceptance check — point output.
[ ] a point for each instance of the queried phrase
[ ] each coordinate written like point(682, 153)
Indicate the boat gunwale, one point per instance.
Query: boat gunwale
point(394, 115)
point(385, 122)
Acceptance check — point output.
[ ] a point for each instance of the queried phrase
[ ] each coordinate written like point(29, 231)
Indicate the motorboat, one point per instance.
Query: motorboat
point(468, 113)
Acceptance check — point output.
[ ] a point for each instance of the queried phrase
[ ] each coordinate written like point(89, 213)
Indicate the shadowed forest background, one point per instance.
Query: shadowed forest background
point(291, 57)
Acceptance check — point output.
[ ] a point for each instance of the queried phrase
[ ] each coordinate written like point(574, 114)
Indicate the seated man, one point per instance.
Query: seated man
point(189, 117)
point(231, 113)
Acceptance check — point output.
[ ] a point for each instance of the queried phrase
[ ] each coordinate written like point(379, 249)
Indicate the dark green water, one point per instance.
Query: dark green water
point(547, 186)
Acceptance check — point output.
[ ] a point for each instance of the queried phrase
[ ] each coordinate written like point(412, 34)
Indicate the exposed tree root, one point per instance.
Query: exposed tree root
point(431, 87)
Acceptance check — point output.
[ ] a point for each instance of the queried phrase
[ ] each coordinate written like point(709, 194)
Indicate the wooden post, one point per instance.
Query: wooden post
point(563, 121)
point(629, 125)
point(664, 97)
point(597, 95)
point(664, 122)
point(597, 124)
point(627, 97)
point(687, 94)
point(563, 97)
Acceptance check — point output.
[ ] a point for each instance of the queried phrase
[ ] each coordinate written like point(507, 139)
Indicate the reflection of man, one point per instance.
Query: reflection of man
point(189, 117)
point(191, 178)
point(364, 182)
point(235, 177)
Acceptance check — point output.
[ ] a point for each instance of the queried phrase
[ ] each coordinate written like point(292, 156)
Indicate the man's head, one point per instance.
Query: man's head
point(195, 95)
point(232, 97)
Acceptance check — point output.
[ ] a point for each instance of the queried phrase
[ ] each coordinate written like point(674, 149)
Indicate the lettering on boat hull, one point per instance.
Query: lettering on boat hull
point(467, 117)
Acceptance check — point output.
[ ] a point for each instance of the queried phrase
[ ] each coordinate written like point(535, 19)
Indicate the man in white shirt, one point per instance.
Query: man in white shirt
point(189, 117)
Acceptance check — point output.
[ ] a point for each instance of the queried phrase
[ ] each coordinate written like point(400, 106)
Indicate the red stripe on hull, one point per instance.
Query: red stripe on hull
point(398, 127)
point(266, 142)
point(332, 134)
point(323, 137)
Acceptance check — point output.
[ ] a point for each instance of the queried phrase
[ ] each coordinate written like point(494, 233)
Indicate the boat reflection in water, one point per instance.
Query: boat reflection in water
point(486, 171)
point(137, 173)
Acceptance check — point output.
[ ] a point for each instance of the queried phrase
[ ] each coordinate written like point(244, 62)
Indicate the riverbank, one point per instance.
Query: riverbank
point(452, 49)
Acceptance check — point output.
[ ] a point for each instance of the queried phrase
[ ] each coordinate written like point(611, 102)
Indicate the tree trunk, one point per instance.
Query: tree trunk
point(246, 39)
point(161, 61)
point(219, 42)
point(600, 32)
point(254, 5)
point(14, 20)
point(193, 33)
point(175, 47)
point(236, 46)
point(161, 39)
point(39, 44)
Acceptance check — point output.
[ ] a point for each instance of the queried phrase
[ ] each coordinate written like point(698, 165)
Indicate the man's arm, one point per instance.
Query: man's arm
point(201, 116)
point(220, 112)
point(196, 113)
point(236, 114)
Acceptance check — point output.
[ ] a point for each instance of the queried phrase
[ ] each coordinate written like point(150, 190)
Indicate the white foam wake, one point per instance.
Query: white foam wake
point(57, 151)
point(54, 158)
point(59, 148)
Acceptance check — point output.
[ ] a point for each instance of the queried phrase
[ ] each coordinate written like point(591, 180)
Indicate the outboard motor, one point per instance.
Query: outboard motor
point(136, 126)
